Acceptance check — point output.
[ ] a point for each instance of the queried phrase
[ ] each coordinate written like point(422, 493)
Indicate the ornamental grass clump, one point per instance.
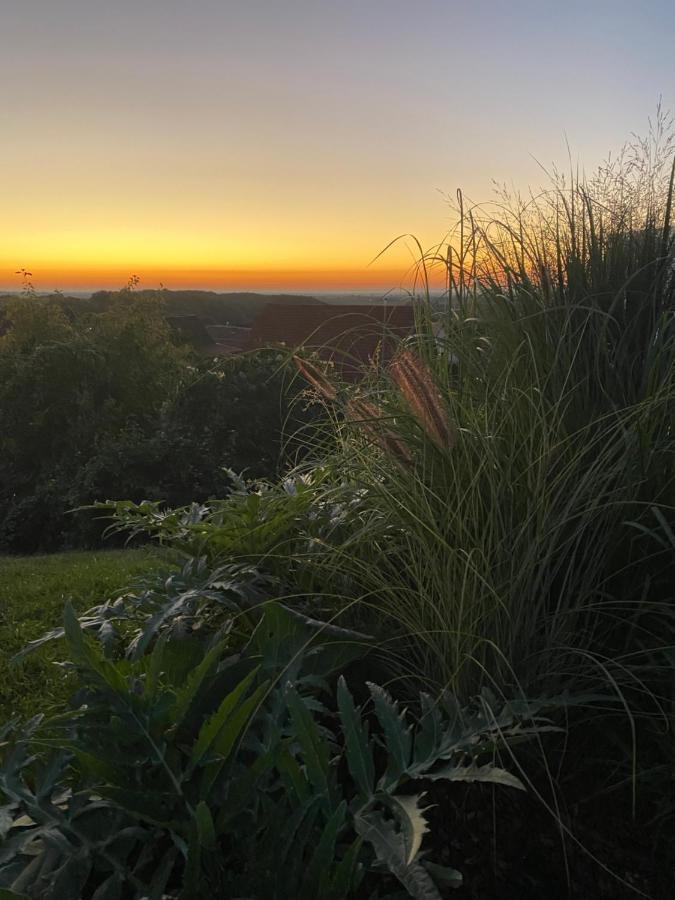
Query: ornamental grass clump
point(516, 547)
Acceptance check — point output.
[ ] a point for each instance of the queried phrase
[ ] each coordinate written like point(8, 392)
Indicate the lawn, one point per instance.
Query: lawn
point(33, 590)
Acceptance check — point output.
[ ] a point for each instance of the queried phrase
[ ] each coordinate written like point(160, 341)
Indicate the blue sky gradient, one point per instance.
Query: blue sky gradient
point(236, 136)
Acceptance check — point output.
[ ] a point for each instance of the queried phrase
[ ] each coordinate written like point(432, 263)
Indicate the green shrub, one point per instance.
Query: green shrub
point(107, 405)
point(242, 413)
point(511, 461)
point(68, 389)
point(235, 768)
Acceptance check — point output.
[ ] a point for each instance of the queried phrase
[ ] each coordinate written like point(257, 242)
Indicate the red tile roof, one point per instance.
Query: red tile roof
point(349, 335)
point(229, 339)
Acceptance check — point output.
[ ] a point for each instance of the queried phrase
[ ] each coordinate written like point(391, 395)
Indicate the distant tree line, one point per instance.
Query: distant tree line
point(110, 404)
point(233, 308)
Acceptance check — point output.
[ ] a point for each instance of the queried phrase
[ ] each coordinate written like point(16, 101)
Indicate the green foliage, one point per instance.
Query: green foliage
point(240, 411)
point(235, 767)
point(279, 528)
point(108, 405)
point(504, 527)
point(66, 390)
point(493, 507)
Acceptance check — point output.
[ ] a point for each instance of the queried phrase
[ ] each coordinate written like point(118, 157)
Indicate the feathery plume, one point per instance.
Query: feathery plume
point(416, 383)
point(316, 378)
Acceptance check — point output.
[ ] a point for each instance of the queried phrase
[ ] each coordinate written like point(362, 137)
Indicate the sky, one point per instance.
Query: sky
point(283, 144)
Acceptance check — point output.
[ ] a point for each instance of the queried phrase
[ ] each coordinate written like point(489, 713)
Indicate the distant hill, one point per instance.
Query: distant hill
point(240, 308)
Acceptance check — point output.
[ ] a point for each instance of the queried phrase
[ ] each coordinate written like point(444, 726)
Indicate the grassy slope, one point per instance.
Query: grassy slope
point(33, 590)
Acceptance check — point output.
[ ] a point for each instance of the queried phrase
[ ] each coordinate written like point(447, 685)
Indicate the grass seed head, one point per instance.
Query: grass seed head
point(415, 381)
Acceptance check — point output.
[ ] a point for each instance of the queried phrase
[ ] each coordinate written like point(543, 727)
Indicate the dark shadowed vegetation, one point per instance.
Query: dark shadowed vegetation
point(219, 308)
point(111, 404)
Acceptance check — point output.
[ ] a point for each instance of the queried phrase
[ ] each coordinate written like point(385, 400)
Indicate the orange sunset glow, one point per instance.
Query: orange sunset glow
point(320, 279)
point(274, 146)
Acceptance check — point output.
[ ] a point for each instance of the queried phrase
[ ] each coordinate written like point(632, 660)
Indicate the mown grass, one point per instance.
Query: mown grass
point(33, 590)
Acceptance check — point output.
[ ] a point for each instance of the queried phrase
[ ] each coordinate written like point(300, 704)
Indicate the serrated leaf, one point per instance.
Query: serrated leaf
point(357, 747)
point(397, 736)
point(85, 655)
point(154, 623)
point(389, 847)
point(213, 726)
point(314, 747)
point(473, 772)
point(185, 697)
point(414, 825)
point(229, 734)
point(54, 635)
point(73, 632)
point(428, 736)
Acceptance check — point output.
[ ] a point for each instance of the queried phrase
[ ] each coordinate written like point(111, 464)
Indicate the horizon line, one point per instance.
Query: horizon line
point(296, 280)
